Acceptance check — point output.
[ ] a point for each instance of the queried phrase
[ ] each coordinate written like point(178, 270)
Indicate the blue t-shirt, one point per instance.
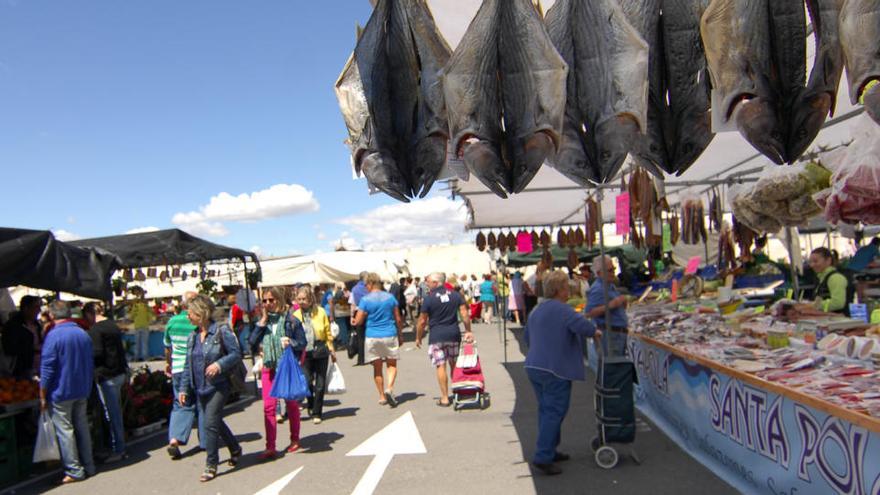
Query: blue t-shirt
point(486, 292)
point(379, 307)
point(596, 298)
point(325, 301)
point(442, 307)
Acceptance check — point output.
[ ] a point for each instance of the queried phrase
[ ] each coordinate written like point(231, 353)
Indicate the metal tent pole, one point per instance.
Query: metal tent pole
point(794, 273)
point(601, 196)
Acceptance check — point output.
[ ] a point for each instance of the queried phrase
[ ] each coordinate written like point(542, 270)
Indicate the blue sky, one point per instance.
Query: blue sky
point(117, 115)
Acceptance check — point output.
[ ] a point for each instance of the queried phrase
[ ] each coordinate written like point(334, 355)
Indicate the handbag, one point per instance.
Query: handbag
point(46, 448)
point(290, 382)
point(353, 343)
point(238, 374)
point(334, 330)
point(335, 381)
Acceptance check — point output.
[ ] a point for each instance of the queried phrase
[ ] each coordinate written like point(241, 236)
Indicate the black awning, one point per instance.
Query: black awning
point(36, 259)
point(164, 247)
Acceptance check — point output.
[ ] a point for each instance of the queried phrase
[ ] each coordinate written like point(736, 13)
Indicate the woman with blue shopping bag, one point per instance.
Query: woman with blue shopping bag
point(212, 355)
point(277, 331)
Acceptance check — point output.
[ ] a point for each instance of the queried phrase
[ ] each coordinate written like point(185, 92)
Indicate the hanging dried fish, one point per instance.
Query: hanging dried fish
point(562, 238)
point(492, 241)
point(744, 236)
point(647, 196)
point(502, 242)
point(536, 240)
point(701, 222)
point(511, 240)
point(481, 241)
point(546, 240)
point(579, 236)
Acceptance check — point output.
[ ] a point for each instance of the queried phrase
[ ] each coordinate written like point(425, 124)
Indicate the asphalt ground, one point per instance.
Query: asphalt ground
point(473, 451)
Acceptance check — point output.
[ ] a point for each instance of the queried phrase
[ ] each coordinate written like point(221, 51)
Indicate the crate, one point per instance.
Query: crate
point(8, 470)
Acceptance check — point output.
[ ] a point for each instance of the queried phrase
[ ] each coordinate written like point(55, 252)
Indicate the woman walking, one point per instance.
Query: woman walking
point(384, 335)
point(487, 298)
point(340, 312)
point(319, 349)
point(517, 304)
point(212, 354)
point(275, 331)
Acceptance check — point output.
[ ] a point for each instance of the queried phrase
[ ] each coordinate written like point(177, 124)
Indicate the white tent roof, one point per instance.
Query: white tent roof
point(552, 199)
point(341, 266)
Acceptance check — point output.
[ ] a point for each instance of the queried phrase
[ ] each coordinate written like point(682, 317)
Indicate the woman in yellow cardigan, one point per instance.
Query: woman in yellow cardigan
point(319, 350)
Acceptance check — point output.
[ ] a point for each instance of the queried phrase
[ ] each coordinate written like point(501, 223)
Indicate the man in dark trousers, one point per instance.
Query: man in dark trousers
point(111, 372)
point(358, 292)
point(21, 337)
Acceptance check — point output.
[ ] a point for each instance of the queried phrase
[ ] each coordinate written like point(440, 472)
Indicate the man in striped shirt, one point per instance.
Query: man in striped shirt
point(180, 424)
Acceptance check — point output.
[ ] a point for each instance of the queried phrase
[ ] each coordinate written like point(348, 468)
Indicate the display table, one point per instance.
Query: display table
point(759, 436)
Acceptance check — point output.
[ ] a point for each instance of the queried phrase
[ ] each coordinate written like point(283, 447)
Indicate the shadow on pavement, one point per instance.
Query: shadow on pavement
point(319, 442)
point(408, 397)
point(665, 467)
point(346, 412)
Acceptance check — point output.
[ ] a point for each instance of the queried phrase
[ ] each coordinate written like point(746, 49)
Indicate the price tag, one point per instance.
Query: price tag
point(622, 214)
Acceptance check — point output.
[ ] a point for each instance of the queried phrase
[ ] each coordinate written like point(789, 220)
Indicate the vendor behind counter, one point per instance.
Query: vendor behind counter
point(834, 292)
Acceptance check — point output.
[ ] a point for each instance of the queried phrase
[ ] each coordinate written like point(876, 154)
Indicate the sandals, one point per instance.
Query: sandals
point(70, 479)
point(234, 458)
point(208, 474)
point(443, 404)
point(389, 397)
point(294, 447)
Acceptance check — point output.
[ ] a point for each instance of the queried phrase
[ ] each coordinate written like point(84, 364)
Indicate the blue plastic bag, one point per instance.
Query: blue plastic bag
point(290, 381)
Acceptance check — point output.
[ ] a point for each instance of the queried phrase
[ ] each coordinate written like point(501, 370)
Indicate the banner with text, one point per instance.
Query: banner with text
point(758, 441)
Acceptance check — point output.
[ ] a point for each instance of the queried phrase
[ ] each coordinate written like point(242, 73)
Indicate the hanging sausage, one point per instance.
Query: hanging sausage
point(481, 242)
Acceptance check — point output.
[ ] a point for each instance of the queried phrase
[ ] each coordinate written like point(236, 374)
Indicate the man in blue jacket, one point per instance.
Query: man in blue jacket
point(66, 377)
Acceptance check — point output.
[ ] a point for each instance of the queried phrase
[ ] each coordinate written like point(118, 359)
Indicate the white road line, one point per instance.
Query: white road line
point(401, 437)
point(276, 487)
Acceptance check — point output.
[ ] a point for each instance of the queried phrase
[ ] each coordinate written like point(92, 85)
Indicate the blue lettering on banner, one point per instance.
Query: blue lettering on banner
point(747, 427)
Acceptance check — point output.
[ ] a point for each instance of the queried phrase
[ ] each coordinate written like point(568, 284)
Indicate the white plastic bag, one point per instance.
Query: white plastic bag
point(46, 448)
point(335, 381)
point(334, 330)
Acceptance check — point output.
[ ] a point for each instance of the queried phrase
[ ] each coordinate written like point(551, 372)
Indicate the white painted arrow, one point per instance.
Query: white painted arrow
point(276, 487)
point(401, 437)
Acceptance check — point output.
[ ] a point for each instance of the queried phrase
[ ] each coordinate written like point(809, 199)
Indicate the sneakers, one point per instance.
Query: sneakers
point(316, 420)
point(293, 447)
point(561, 457)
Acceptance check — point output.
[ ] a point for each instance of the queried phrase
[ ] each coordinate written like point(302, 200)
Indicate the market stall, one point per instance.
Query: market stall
point(759, 400)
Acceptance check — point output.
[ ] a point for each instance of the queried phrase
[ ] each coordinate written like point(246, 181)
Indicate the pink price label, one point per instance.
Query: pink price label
point(622, 214)
point(693, 265)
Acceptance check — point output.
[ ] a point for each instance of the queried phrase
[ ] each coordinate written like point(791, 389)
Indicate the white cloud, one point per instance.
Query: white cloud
point(437, 220)
point(321, 236)
point(65, 235)
point(142, 230)
point(347, 243)
point(277, 201)
point(205, 229)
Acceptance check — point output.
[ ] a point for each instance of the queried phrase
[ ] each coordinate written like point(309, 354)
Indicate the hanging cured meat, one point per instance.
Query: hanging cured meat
point(726, 251)
point(492, 241)
point(743, 236)
point(674, 228)
point(573, 260)
point(536, 240)
point(593, 222)
point(502, 242)
point(547, 257)
point(579, 236)
point(511, 240)
point(481, 241)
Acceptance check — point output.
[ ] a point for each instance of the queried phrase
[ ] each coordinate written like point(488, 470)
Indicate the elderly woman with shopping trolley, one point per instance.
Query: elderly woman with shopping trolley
point(555, 334)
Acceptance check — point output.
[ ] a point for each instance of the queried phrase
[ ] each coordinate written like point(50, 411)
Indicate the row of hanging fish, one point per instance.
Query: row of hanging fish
point(570, 238)
point(594, 82)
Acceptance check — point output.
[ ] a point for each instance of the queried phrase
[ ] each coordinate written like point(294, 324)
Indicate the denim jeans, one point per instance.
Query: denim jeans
point(180, 424)
point(110, 393)
point(141, 344)
point(616, 343)
point(554, 397)
point(211, 408)
point(74, 438)
point(344, 332)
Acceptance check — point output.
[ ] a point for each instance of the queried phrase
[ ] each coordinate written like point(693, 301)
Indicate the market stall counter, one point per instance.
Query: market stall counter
point(784, 420)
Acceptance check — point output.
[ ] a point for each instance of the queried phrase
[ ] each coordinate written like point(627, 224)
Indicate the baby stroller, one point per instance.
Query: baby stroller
point(468, 384)
point(615, 407)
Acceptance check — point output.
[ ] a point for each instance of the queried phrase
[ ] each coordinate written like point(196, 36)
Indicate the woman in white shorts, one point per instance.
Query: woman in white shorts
point(384, 335)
